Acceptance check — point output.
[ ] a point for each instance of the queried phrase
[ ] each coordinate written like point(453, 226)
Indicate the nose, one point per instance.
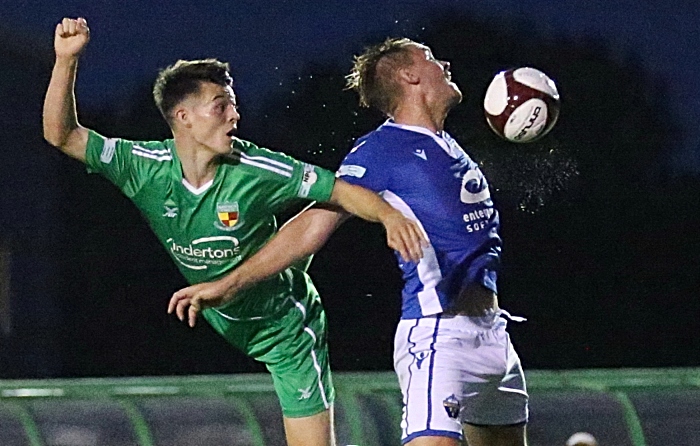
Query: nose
point(235, 115)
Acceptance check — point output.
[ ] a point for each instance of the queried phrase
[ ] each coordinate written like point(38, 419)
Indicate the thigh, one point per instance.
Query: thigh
point(429, 384)
point(495, 435)
point(293, 346)
point(454, 371)
point(296, 354)
point(494, 391)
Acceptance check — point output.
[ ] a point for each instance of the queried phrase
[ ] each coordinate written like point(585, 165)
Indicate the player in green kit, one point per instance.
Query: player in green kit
point(210, 198)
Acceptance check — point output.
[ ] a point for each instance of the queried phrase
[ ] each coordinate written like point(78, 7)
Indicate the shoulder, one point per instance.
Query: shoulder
point(395, 138)
point(261, 159)
point(104, 150)
point(368, 162)
point(371, 145)
point(388, 142)
point(241, 147)
point(155, 151)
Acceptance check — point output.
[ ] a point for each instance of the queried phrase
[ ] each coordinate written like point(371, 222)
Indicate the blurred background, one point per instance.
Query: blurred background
point(599, 219)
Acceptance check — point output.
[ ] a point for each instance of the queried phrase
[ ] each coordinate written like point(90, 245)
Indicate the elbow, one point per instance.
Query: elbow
point(53, 140)
point(54, 137)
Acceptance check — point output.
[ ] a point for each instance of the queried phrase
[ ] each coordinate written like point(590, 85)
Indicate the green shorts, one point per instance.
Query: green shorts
point(293, 345)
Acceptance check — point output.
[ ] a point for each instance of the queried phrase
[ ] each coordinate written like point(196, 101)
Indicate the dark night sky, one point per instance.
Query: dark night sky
point(267, 41)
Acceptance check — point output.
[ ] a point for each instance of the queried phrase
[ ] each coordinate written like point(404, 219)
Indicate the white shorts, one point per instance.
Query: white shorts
point(454, 370)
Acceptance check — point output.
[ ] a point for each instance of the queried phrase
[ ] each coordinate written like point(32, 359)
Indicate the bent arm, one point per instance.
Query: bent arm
point(61, 128)
point(308, 231)
point(60, 119)
point(299, 238)
point(403, 235)
point(361, 202)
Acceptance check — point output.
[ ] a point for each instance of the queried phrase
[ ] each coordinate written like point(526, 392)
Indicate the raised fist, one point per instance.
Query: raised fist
point(71, 38)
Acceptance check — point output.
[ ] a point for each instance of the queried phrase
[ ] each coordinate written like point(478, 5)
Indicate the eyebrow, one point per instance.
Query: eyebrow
point(223, 96)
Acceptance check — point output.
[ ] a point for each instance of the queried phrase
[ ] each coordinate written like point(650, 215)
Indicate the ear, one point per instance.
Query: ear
point(181, 117)
point(408, 75)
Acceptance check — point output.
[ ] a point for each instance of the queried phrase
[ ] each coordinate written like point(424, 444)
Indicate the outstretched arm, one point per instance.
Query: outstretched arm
point(61, 127)
point(299, 238)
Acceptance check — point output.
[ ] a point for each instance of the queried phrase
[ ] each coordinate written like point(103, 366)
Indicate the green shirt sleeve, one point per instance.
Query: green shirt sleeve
point(316, 183)
point(127, 164)
point(290, 178)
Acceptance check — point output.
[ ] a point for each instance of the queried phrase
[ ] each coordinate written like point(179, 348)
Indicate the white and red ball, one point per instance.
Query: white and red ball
point(521, 104)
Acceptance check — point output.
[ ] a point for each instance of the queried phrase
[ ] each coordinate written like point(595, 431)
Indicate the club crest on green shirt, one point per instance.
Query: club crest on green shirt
point(228, 216)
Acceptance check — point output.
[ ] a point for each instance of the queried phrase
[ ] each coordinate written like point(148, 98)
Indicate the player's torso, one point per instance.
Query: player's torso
point(208, 231)
point(431, 179)
point(444, 188)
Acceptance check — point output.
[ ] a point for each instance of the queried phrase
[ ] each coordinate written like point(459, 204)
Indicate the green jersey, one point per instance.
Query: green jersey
point(210, 230)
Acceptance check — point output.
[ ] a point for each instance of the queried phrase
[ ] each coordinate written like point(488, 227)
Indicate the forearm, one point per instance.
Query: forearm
point(300, 238)
point(403, 235)
point(60, 116)
point(61, 127)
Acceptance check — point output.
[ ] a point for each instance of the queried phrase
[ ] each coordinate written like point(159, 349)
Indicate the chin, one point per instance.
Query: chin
point(225, 150)
point(455, 98)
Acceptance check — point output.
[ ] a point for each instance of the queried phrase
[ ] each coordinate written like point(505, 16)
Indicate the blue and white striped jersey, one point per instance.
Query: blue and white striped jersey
point(430, 179)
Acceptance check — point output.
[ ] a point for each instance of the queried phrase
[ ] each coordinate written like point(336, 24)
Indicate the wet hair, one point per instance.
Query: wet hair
point(373, 73)
point(184, 78)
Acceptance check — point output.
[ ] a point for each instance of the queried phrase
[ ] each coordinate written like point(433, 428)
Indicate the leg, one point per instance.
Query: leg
point(430, 383)
point(301, 374)
point(433, 441)
point(473, 376)
point(294, 348)
point(479, 436)
point(495, 435)
point(315, 430)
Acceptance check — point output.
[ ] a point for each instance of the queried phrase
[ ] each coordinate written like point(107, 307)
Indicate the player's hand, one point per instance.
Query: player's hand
point(195, 298)
point(71, 37)
point(405, 236)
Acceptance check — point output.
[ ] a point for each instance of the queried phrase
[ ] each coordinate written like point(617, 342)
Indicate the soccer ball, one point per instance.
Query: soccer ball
point(521, 104)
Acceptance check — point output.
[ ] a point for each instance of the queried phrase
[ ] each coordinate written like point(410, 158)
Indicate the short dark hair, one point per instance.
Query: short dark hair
point(184, 78)
point(372, 75)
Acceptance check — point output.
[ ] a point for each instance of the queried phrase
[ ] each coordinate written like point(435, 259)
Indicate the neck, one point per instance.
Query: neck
point(421, 114)
point(198, 164)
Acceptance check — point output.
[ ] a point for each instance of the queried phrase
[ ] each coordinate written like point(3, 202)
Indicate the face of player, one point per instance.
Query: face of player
point(435, 76)
point(213, 117)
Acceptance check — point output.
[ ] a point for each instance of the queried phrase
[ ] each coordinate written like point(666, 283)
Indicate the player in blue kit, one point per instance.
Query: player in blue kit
point(458, 371)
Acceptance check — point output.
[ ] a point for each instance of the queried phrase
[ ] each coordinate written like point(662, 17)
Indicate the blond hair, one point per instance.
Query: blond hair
point(373, 73)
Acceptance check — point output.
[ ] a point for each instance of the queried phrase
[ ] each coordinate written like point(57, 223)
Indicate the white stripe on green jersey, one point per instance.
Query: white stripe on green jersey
point(264, 163)
point(208, 233)
point(158, 155)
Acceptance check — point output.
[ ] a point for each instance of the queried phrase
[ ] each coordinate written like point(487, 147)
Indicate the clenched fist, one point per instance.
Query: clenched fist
point(71, 38)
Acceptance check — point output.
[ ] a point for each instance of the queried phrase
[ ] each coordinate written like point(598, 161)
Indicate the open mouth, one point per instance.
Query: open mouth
point(231, 132)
